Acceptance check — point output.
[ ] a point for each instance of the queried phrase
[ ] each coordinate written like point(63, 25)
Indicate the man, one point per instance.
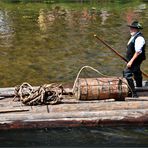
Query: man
point(135, 54)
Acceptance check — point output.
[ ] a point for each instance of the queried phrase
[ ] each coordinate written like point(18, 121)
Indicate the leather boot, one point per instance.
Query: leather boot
point(132, 92)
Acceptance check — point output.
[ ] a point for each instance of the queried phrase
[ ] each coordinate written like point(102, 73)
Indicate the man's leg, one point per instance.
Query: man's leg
point(128, 74)
point(138, 77)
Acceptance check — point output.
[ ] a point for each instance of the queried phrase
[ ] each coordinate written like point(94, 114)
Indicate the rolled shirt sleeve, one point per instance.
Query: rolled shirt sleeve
point(139, 42)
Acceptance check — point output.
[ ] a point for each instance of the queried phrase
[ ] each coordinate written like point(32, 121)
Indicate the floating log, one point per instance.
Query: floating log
point(74, 105)
point(73, 113)
point(104, 114)
point(74, 119)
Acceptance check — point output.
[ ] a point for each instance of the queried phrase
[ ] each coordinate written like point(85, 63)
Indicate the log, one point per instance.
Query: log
point(74, 105)
point(7, 92)
point(133, 113)
point(94, 106)
point(10, 91)
point(72, 113)
point(73, 119)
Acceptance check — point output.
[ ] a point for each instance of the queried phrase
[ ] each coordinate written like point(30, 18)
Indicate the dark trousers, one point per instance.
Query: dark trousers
point(128, 73)
point(134, 71)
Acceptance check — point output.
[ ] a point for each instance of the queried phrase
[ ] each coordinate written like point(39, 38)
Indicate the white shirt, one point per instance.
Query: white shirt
point(139, 42)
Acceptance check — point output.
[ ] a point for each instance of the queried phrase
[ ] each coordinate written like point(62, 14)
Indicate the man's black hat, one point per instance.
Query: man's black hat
point(135, 24)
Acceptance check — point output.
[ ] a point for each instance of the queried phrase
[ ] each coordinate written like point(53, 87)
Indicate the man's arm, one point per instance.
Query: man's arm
point(129, 64)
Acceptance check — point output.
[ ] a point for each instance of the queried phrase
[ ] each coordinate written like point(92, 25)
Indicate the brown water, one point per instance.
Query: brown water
point(43, 43)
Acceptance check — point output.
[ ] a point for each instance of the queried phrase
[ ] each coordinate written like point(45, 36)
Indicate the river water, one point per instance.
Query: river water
point(43, 43)
point(133, 136)
point(49, 42)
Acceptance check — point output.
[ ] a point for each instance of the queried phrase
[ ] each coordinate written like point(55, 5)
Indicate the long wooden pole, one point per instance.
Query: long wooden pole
point(117, 53)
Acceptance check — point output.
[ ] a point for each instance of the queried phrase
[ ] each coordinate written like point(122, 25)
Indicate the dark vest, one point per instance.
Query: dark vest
point(131, 50)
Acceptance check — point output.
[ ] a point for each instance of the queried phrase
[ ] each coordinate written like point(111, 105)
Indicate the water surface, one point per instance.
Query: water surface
point(49, 42)
point(77, 137)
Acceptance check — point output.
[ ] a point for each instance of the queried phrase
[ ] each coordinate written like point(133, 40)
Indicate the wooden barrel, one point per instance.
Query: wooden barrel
point(101, 88)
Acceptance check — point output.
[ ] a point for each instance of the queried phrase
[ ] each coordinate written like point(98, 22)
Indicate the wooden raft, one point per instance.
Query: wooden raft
point(73, 113)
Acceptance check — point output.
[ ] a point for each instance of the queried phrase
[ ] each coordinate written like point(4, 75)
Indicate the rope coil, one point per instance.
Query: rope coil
point(45, 94)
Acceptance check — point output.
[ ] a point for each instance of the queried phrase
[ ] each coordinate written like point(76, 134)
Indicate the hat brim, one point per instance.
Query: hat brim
point(134, 27)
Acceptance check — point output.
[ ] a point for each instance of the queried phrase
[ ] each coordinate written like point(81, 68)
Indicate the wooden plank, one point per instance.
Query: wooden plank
point(10, 110)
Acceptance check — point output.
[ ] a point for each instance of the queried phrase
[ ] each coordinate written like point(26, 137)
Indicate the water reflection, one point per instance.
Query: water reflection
point(6, 31)
point(50, 43)
point(72, 18)
point(47, 18)
point(104, 15)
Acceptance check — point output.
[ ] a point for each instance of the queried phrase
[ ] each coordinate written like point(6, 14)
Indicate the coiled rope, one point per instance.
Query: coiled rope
point(45, 94)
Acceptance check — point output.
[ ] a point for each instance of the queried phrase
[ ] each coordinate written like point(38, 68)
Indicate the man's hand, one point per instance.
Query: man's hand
point(129, 64)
